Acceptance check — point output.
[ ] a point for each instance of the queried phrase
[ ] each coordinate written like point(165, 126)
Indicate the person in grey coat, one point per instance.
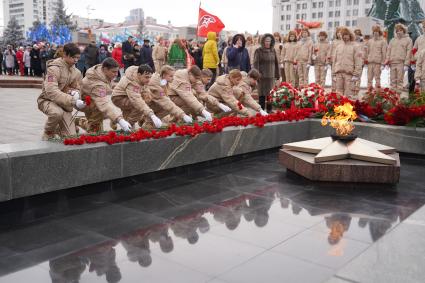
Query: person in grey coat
point(266, 62)
point(9, 58)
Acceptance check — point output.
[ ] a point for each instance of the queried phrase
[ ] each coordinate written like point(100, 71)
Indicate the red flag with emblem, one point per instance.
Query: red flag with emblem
point(208, 22)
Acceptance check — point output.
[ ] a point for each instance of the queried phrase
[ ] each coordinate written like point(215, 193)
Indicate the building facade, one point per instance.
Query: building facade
point(331, 13)
point(136, 15)
point(28, 11)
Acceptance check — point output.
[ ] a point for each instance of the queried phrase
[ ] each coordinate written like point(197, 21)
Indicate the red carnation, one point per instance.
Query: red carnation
point(240, 105)
point(414, 50)
point(87, 100)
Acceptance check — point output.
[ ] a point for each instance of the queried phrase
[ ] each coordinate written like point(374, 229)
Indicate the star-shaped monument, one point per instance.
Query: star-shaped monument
point(328, 149)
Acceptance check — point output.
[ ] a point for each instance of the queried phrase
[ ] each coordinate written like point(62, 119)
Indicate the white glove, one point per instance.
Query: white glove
point(314, 57)
point(354, 79)
point(413, 67)
point(126, 126)
point(281, 66)
point(187, 119)
point(263, 113)
point(406, 68)
point(418, 82)
point(224, 108)
point(80, 105)
point(156, 121)
point(328, 67)
point(382, 67)
point(207, 115)
point(308, 66)
point(76, 94)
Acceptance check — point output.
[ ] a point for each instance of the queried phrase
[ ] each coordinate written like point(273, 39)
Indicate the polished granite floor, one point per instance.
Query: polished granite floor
point(244, 220)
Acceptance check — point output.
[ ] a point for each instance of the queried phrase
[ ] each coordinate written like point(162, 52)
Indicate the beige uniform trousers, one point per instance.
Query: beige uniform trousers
point(158, 65)
point(290, 73)
point(397, 76)
point(344, 84)
point(58, 121)
point(320, 74)
point(374, 72)
point(302, 73)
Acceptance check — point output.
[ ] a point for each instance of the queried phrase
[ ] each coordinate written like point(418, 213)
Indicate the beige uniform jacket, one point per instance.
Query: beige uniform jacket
point(304, 52)
point(289, 52)
point(400, 50)
point(279, 52)
point(243, 93)
point(161, 98)
point(60, 80)
point(159, 53)
point(99, 88)
point(419, 45)
point(361, 49)
point(321, 53)
point(377, 51)
point(224, 92)
point(182, 87)
point(332, 50)
point(348, 60)
point(139, 95)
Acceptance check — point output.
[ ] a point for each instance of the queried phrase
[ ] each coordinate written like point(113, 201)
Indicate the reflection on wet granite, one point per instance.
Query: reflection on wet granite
point(241, 221)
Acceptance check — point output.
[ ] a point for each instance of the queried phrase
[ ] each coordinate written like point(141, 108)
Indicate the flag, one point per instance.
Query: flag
point(208, 22)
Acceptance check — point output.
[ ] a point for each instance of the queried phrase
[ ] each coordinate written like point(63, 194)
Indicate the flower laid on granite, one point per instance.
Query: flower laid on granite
point(282, 96)
point(216, 126)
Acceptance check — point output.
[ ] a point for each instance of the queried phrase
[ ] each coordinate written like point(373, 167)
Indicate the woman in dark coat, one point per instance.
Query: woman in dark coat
point(237, 54)
point(267, 63)
point(36, 61)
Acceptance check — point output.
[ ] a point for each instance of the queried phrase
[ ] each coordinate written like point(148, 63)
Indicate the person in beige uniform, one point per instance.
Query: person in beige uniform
point(361, 51)
point(181, 91)
point(159, 54)
point(376, 55)
point(398, 56)
point(61, 94)
point(98, 85)
point(222, 90)
point(243, 92)
point(278, 47)
point(331, 56)
point(303, 57)
point(132, 96)
point(161, 103)
point(420, 43)
point(348, 64)
point(420, 71)
point(319, 58)
point(289, 53)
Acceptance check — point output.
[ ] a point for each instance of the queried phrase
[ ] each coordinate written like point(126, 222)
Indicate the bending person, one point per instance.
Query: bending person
point(98, 85)
point(132, 96)
point(60, 94)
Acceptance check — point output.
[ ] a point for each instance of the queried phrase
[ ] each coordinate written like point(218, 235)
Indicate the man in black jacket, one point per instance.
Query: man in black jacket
point(146, 54)
point(91, 53)
point(128, 53)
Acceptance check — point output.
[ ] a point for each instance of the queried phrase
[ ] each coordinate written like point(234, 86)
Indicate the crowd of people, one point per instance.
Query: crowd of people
point(187, 80)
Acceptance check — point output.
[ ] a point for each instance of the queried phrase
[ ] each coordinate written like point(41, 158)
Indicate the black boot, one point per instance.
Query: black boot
point(262, 101)
point(269, 107)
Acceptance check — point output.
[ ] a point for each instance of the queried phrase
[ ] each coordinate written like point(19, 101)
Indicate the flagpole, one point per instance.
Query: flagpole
point(197, 26)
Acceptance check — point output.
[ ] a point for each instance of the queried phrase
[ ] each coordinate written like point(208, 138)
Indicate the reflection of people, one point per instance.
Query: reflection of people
point(102, 261)
point(160, 235)
point(67, 269)
point(338, 224)
point(261, 207)
point(187, 227)
point(138, 248)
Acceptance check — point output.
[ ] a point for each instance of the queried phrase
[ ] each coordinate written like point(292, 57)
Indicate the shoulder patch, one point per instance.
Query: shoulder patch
point(50, 78)
point(136, 89)
point(102, 92)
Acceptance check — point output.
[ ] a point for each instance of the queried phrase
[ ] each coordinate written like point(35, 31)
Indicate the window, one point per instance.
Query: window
point(320, 4)
point(320, 15)
point(347, 23)
point(331, 14)
point(288, 7)
point(282, 8)
point(348, 13)
point(337, 13)
point(304, 5)
point(355, 12)
point(298, 6)
point(331, 3)
point(298, 16)
point(336, 24)
point(288, 17)
point(366, 12)
point(356, 2)
point(330, 25)
point(288, 27)
point(337, 3)
point(304, 16)
point(281, 27)
point(367, 1)
point(313, 15)
point(282, 17)
point(349, 2)
point(354, 23)
point(314, 4)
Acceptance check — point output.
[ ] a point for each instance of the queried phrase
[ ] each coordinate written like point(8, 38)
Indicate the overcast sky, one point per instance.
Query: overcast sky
point(240, 15)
